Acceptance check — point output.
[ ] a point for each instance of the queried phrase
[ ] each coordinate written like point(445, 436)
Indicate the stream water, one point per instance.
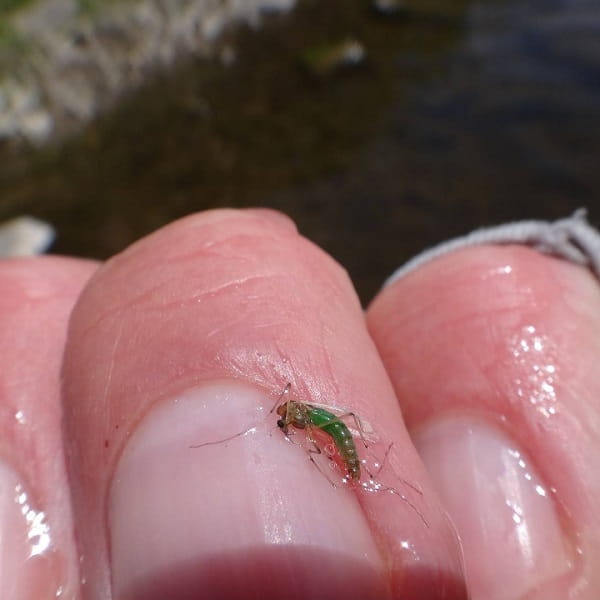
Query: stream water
point(462, 114)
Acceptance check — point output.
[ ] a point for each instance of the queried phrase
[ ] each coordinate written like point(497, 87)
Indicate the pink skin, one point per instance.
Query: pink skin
point(239, 301)
point(508, 336)
point(37, 296)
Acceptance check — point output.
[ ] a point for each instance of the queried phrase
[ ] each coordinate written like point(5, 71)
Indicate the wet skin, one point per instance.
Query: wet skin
point(480, 367)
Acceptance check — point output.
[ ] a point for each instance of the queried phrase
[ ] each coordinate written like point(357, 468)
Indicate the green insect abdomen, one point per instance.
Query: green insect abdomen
point(342, 438)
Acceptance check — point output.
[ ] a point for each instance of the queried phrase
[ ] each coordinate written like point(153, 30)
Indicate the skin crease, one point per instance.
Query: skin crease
point(172, 312)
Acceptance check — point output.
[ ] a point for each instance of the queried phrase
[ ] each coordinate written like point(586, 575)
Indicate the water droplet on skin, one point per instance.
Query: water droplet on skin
point(536, 379)
point(38, 533)
point(407, 546)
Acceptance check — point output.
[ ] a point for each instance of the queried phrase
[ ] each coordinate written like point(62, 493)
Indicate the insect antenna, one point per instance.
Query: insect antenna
point(227, 439)
point(245, 431)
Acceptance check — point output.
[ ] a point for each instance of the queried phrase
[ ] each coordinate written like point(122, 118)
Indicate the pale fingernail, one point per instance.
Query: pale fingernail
point(229, 519)
point(29, 566)
point(505, 515)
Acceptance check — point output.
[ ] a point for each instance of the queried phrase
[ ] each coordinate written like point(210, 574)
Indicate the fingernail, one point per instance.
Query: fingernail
point(235, 519)
point(29, 567)
point(508, 524)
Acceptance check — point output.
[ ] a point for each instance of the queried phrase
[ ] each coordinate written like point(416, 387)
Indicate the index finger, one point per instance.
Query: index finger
point(189, 336)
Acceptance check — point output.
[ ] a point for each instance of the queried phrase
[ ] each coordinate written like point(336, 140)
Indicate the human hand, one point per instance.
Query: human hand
point(189, 336)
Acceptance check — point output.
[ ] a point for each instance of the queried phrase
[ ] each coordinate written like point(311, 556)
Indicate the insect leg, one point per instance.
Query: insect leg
point(382, 464)
point(316, 450)
point(373, 476)
point(377, 487)
point(284, 392)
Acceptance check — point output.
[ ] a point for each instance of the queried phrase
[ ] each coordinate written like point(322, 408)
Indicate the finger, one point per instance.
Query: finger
point(37, 554)
point(493, 354)
point(189, 337)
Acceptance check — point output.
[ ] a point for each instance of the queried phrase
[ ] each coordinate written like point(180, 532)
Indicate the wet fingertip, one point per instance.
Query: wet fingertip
point(266, 572)
point(497, 500)
point(30, 564)
point(184, 510)
point(37, 554)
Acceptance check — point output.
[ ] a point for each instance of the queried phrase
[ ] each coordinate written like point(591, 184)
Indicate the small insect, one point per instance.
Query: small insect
point(320, 422)
point(302, 415)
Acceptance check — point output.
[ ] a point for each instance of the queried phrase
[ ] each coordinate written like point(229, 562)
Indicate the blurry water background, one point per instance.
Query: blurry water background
point(453, 115)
